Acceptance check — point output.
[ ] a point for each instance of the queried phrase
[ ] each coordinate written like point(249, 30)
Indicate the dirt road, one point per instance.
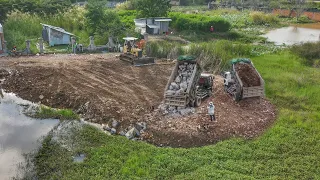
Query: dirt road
point(100, 87)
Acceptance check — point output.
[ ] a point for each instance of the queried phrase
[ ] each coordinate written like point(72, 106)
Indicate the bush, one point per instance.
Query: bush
point(304, 19)
point(198, 22)
point(19, 27)
point(260, 18)
point(125, 6)
point(310, 52)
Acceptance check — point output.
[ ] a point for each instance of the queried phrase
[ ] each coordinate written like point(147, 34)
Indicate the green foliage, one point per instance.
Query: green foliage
point(127, 18)
point(165, 49)
point(103, 23)
point(304, 19)
point(63, 114)
point(20, 27)
point(40, 7)
point(214, 55)
point(195, 22)
point(152, 8)
point(189, 8)
point(289, 149)
point(260, 18)
point(129, 5)
point(310, 52)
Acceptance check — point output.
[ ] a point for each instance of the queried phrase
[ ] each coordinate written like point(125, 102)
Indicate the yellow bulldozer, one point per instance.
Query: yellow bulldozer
point(132, 52)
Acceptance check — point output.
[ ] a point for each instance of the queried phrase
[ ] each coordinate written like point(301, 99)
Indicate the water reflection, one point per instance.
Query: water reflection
point(18, 134)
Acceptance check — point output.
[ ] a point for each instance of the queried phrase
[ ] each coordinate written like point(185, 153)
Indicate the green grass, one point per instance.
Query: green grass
point(62, 114)
point(288, 150)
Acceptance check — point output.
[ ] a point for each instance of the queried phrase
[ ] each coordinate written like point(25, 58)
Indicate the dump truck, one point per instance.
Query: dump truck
point(243, 81)
point(133, 54)
point(186, 85)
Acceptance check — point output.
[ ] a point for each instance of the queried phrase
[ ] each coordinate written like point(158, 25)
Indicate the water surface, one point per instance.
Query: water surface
point(293, 35)
point(19, 134)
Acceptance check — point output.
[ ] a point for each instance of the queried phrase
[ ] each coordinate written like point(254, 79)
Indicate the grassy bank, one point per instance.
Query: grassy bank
point(62, 114)
point(288, 150)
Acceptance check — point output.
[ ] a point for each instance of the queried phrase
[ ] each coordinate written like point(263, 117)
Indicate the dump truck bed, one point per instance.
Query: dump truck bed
point(182, 99)
point(253, 91)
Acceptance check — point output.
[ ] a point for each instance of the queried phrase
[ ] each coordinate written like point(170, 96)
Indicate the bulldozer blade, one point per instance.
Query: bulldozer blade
point(144, 61)
point(127, 57)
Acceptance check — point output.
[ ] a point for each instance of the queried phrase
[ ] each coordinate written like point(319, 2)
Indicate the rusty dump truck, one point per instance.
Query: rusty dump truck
point(186, 85)
point(243, 81)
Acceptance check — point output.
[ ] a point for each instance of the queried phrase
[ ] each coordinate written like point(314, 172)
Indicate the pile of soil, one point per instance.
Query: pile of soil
point(102, 88)
point(248, 75)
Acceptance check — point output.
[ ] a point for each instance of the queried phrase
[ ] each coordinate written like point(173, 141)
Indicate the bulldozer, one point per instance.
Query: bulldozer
point(133, 53)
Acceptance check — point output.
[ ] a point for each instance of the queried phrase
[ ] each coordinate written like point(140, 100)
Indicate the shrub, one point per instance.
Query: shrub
point(310, 52)
point(304, 19)
point(198, 22)
point(125, 6)
point(260, 18)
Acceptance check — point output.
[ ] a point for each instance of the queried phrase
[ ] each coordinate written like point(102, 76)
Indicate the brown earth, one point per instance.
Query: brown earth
point(101, 87)
point(248, 75)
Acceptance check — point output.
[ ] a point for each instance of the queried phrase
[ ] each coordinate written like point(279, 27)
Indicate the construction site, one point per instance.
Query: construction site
point(103, 90)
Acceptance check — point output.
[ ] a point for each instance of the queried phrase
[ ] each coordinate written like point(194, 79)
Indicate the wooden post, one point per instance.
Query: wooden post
point(73, 44)
point(41, 45)
point(28, 47)
point(4, 46)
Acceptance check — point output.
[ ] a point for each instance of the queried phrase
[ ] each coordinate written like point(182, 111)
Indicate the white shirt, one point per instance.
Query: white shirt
point(211, 110)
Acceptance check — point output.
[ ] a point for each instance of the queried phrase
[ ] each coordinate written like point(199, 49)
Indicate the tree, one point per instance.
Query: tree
point(102, 23)
point(152, 8)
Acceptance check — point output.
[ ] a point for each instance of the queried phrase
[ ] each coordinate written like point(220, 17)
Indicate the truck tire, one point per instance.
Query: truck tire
point(197, 103)
point(192, 103)
point(236, 97)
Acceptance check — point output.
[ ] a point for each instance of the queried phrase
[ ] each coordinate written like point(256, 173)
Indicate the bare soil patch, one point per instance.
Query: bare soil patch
point(101, 87)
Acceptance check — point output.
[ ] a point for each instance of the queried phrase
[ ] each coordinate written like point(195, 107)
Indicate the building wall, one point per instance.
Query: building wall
point(163, 26)
point(285, 12)
point(58, 38)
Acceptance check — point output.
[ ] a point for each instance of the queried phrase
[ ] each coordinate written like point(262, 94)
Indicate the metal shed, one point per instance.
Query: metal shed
point(1, 40)
point(152, 25)
point(55, 35)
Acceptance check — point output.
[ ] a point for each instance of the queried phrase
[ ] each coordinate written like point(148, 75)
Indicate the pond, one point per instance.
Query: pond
point(293, 35)
point(19, 134)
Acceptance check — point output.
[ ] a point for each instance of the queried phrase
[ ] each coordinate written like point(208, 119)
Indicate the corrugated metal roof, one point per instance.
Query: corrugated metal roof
point(130, 38)
point(162, 20)
point(141, 24)
point(153, 26)
point(57, 29)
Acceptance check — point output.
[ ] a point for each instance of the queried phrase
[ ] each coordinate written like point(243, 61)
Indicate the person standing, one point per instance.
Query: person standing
point(211, 29)
point(211, 111)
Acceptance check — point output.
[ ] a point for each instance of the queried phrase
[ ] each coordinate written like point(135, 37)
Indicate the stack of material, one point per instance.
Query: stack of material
point(182, 80)
point(174, 111)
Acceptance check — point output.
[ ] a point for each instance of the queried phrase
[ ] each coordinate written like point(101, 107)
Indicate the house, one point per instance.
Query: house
point(55, 35)
point(152, 25)
point(1, 40)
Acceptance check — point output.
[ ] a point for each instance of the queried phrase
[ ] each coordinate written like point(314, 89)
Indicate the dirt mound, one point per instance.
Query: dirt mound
point(248, 75)
point(102, 88)
point(248, 119)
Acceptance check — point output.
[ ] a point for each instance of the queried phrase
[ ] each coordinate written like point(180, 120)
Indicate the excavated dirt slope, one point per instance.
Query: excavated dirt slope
point(101, 87)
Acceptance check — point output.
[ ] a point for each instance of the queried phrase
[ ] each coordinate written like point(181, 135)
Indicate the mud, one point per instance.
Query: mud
point(103, 88)
point(248, 75)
